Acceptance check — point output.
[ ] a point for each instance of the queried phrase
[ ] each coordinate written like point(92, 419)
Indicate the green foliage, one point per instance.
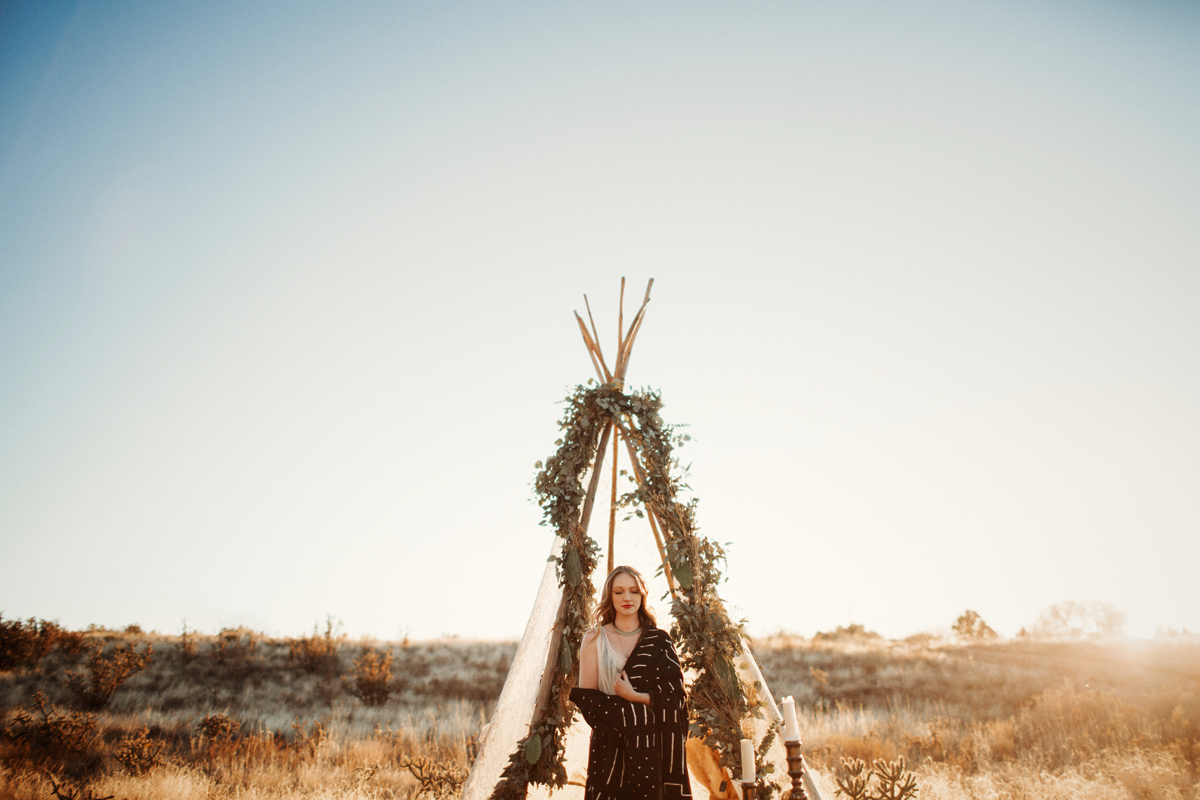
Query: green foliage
point(372, 678)
point(106, 671)
point(885, 780)
point(970, 627)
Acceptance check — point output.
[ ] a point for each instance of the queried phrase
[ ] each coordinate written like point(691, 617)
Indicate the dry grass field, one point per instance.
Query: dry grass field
point(1016, 719)
point(239, 715)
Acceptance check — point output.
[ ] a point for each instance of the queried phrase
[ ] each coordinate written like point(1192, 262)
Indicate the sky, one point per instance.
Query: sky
point(286, 296)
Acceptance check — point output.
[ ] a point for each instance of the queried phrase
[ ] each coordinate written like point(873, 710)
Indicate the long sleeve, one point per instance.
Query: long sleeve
point(668, 699)
point(599, 709)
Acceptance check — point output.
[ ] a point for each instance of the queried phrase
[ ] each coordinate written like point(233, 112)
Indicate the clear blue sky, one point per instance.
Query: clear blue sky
point(286, 294)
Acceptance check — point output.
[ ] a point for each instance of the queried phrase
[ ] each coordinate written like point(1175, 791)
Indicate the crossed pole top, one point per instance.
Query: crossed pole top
point(625, 338)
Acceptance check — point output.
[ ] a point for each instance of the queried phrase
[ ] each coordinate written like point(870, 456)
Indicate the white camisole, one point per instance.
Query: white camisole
point(609, 662)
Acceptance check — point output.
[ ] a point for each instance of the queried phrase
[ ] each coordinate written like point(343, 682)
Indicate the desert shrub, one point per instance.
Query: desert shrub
point(372, 678)
point(187, 645)
point(108, 670)
point(318, 654)
point(885, 780)
point(233, 650)
point(138, 753)
point(847, 632)
point(71, 643)
point(435, 777)
point(218, 727)
point(970, 627)
point(46, 739)
point(25, 644)
point(74, 790)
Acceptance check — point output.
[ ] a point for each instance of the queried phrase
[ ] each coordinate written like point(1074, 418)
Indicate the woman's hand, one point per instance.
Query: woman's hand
point(625, 690)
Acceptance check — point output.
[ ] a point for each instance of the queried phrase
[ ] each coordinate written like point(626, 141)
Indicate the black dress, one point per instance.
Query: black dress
point(638, 751)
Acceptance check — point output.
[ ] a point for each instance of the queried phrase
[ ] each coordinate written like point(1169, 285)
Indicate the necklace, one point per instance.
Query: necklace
point(633, 632)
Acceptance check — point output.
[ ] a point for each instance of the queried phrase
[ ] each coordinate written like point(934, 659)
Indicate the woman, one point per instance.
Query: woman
point(631, 693)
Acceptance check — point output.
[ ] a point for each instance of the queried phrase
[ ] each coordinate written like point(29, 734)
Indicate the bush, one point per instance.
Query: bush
point(372, 678)
point(138, 753)
point(233, 650)
point(218, 727)
point(885, 780)
point(24, 644)
point(436, 778)
point(318, 654)
point(852, 632)
point(108, 671)
point(47, 739)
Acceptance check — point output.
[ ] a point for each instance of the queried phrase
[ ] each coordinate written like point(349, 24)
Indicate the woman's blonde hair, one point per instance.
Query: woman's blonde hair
point(606, 613)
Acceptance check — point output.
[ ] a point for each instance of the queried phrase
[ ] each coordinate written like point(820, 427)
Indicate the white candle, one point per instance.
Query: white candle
point(791, 728)
point(747, 761)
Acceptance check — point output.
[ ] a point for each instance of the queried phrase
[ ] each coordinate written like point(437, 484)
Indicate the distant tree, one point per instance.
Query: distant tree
point(970, 627)
point(1074, 620)
point(853, 632)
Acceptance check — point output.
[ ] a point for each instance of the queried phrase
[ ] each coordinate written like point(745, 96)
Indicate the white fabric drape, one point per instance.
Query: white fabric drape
point(609, 661)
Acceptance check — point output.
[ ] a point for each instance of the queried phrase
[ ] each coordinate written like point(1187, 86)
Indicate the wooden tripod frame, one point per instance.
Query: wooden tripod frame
point(625, 340)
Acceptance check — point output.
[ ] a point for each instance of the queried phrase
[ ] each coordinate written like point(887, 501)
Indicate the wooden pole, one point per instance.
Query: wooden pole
point(552, 657)
point(601, 369)
point(612, 503)
point(590, 498)
point(640, 474)
point(634, 327)
point(621, 318)
point(595, 334)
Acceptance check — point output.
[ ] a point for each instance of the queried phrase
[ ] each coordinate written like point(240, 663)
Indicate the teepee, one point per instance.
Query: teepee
point(536, 743)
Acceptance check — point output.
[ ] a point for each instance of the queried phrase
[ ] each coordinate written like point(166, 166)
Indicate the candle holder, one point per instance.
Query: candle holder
point(796, 768)
point(749, 790)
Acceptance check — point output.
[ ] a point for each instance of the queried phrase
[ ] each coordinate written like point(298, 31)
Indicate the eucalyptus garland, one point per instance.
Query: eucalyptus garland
point(707, 641)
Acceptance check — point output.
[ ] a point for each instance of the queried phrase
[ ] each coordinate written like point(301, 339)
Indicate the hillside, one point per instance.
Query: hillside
point(242, 715)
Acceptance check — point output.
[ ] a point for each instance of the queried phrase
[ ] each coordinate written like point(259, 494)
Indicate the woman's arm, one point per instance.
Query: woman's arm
point(589, 670)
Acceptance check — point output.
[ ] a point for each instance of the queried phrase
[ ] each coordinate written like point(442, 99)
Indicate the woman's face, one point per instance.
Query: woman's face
point(626, 598)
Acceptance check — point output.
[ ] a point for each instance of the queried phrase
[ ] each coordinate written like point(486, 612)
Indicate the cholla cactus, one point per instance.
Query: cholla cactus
point(885, 780)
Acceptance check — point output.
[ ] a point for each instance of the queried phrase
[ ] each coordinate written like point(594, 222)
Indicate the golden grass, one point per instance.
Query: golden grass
point(1021, 719)
point(1002, 720)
